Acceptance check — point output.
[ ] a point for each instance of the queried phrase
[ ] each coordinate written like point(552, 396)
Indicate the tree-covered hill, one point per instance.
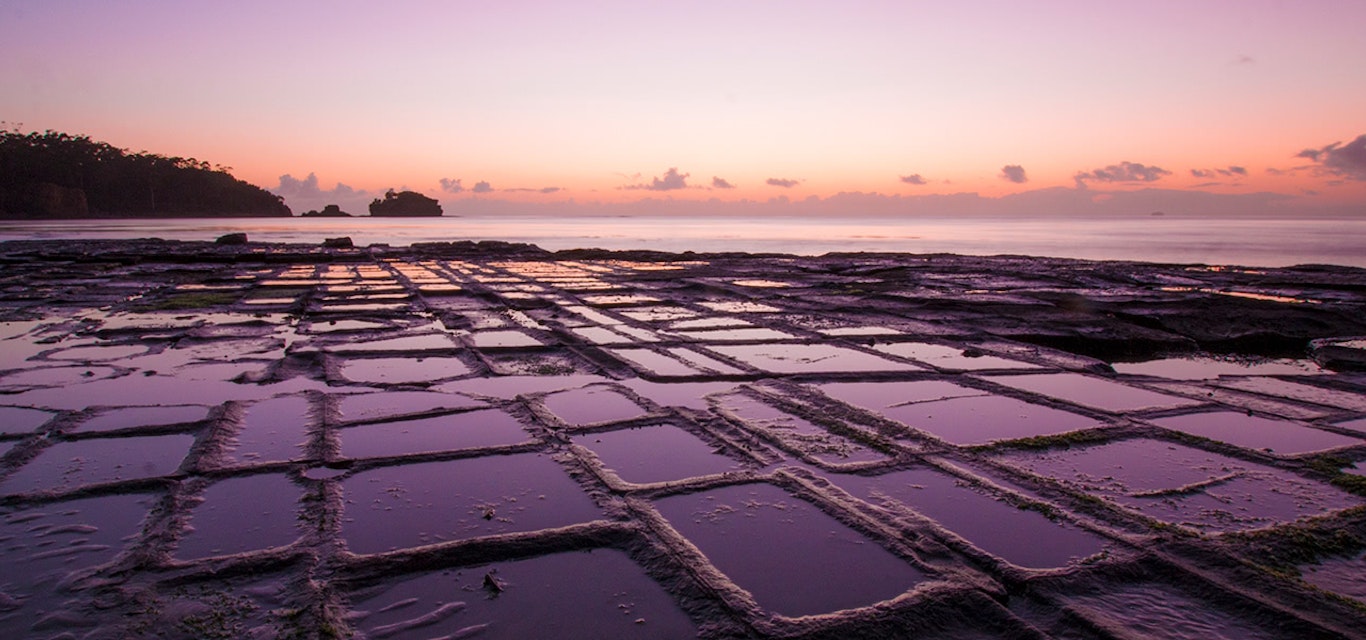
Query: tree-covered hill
point(57, 175)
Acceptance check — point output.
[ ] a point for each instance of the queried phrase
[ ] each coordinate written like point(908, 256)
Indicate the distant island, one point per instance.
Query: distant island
point(329, 211)
point(404, 204)
point(55, 175)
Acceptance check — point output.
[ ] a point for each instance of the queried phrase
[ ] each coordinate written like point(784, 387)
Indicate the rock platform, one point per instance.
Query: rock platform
point(203, 440)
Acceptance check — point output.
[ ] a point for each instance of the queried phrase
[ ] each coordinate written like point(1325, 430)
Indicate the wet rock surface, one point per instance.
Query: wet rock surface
point(490, 440)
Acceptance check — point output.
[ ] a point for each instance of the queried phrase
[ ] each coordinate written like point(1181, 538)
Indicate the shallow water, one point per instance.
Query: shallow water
point(984, 419)
point(1273, 436)
point(655, 454)
point(72, 464)
point(247, 513)
point(488, 428)
point(1087, 391)
point(18, 420)
point(795, 559)
point(272, 430)
point(401, 370)
point(424, 503)
point(950, 358)
point(796, 433)
point(545, 595)
point(130, 417)
point(592, 405)
point(392, 404)
point(1154, 610)
point(1210, 368)
point(808, 358)
point(1343, 576)
point(1022, 537)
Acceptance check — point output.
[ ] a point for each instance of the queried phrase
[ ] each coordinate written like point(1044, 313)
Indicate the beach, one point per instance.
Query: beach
point(492, 439)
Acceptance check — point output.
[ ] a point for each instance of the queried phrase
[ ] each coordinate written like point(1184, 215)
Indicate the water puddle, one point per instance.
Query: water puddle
point(429, 342)
point(736, 335)
point(1295, 391)
point(656, 363)
point(984, 419)
point(658, 314)
point(808, 358)
point(629, 300)
point(242, 514)
point(402, 370)
point(72, 464)
point(879, 397)
point(488, 428)
point(950, 358)
point(1097, 393)
point(425, 503)
point(272, 430)
point(1183, 485)
point(705, 363)
point(391, 404)
point(734, 306)
point(339, 326)
point(20, 420)
point(98, 353)
point(798, 434)
point(592, 405)
point(794, 558)
point(853, 332)
point(1358, 425)
point(762, 284)
point(656, 454)
point(133, 417)
point(603, 335)
point(503, 339)
point(1021, 537)
point(691, 395)
point(715, 322)
point(532, 597)
point(43, 545)
point(509, 387)
point(55, 376)
point(1252, 432)
point(1153, 610)
point(1209, 368)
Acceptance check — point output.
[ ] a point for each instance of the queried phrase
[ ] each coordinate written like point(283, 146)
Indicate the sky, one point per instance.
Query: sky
point(890, 107)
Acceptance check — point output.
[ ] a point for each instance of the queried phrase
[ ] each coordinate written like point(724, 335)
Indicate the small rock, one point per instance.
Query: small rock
point(232, 238)
point(343, 242)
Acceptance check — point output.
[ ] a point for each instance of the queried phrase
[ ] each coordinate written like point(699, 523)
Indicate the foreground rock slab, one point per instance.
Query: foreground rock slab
point(491, 440)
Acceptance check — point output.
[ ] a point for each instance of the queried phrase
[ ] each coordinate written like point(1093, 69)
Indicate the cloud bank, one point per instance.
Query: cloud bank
point(671, 181)
point(1345, 161)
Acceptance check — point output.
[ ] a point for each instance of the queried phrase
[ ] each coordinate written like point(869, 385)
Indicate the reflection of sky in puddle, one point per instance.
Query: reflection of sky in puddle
point(68, 465)
point(374, 406)
point(272, 430)
point(400, 370)
point(430, 502)
point(878, 396)
point(14, 420)
point(1180, 484)
point(710, 323)
point(98, 353)
point(655, 363)
point(658, 314)
point(950, 358)
point(798, 433)
point(144, 417)
point(735, 335)
point(1022, 537)
point(488, 428)
point(592, 405)
point(55, 376)
point(494, 339)
point(513, 386)
point(429, 342)
point(1240, 429)
point(1092, 392)
point(677, 394)
point(1151, 608)
point(540, 594)
point(655, 454)
point(808, 358)
point(242, 514)
point(1358, 425)
point(1306, 393)
point(794, 558)
point(983, 419)
point(1210, 368)
point(734, 306)
point(860, 331)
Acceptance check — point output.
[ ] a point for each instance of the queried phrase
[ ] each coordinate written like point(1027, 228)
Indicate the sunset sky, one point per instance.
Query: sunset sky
point(1213, 106)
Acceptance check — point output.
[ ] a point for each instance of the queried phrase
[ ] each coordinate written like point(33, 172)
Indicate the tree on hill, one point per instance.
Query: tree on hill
point(405, 203)
point(58, 175)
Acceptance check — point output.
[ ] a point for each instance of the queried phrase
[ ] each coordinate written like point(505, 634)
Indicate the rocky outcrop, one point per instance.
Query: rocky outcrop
point(329, 211)
point(404, 204)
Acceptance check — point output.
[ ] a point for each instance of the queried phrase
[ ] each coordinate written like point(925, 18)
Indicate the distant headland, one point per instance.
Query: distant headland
point(53, 175)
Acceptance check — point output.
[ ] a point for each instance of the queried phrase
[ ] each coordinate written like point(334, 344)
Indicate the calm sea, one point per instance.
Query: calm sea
point(1232, 241)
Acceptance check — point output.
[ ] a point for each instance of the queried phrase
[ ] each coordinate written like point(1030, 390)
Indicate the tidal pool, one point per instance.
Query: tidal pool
point(1021, 537)
point(392, 404)
point(658, 453)
point(985, 419)
point(272, 431)
point(880, 396)
point(1252, 432)
point(1209, 368)
point(20, 420)
point(1087, 391)
point(792, 557)
point(592, 405)
point(241, 514)
point(401, 370)
point(428, 502)
point(654, 362)
point(754, 334)
point(808, 358)
point(691, 395)
point(55, 376)
point(1155, 610)
point(72, 464)
point(503, 339)
point(1335, 398)
point(487, 428)
point(537, 597)
point(950, 358)
point(798, 434)
point(1184, 485)
point(132, 417)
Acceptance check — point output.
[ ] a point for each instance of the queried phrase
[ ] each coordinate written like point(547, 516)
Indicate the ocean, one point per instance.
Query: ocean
point(1216, 241)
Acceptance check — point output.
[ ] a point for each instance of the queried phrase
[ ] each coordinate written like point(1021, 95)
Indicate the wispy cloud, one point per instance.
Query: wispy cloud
point(1346, 161)
point(1014, 173)
point(914, 178)
point(1123, 172)
point(721, 183)
point(671, 180)
point(786, 183)
point(1232, 170)
point(531, 190)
